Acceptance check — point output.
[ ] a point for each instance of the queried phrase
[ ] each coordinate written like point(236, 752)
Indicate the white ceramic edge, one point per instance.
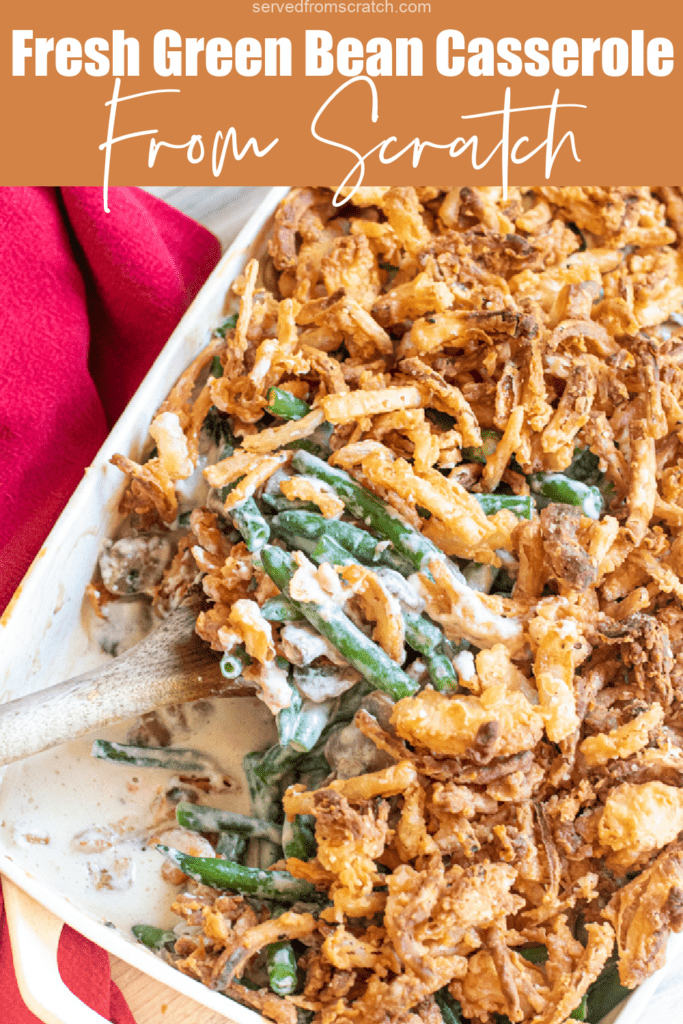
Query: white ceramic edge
point(636, 1004)
point(34, 938)
point(136, 414)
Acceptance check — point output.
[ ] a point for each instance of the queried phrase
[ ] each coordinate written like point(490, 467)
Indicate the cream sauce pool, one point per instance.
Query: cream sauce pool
point(81, 825)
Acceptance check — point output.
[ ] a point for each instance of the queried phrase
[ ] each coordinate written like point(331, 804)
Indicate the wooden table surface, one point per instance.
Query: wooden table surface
point(223, 211)
point(151, 1002)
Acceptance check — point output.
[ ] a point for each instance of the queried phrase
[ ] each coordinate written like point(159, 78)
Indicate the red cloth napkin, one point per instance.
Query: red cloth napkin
point(83, 967)
point(87, 300)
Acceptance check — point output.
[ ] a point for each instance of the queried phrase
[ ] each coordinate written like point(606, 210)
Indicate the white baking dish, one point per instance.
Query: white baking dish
point(44, 638)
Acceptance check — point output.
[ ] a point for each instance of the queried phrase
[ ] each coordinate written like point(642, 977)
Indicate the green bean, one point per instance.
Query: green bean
point(450, 1008)
point(322, 451)
point(441, 671)
point(580, 1012)
point(314, 765)
point(277, 501)
point(185, 761)
point(480, 453)
point(199, 818)
point(216, 369)
point(311, 525)
point(422, 635)
point(266, 804)
point(282, 967)
point(585, 466)
point(228, 324)
point(280, 609)
point(521, 504)
point(365, 656)
point(287, 406)
point(605, 993)
point(359, 543)
point(234, 662)
point(223, 492)
point(534, 954)
point(225, 874)
point(217, 426)
point(415, 547)
point(295, 541)
point(316, 443)
point(301, 724)
point(560, 488)
point(232, 846)
point(329, 550)
point(363, 546)
point(264, 771)
point(427, 639)
point(273, 765)
point(264, 797)
point(440, 419)
point(251, 524)
point(419, 631)
point(298, 837)
point(153, 938)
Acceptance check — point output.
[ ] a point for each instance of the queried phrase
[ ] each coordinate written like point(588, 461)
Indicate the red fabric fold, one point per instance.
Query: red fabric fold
point(87, 301)
point(84, 968)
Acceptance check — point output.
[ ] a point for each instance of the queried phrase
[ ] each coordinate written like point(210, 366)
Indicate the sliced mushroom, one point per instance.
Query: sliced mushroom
point(134, 565)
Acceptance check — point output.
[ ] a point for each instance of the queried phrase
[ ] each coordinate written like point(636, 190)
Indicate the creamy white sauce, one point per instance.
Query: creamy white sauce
point(470, 618)
point(127, 622)
point(194, 491)
point(320, 688)
point(463, 663)
point(49, 801)
point(400, 588)
point(303, 644)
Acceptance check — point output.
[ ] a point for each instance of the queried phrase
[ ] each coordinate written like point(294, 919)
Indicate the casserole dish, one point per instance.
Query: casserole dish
point(46, 836)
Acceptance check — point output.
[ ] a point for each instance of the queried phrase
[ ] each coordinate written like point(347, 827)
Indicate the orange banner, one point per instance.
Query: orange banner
point(253, 93)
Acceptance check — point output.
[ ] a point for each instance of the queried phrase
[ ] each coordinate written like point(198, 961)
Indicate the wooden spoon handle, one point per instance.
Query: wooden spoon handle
point(170, 666)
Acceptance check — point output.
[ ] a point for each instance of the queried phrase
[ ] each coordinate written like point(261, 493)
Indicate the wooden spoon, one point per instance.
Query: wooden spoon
point(170, 666)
